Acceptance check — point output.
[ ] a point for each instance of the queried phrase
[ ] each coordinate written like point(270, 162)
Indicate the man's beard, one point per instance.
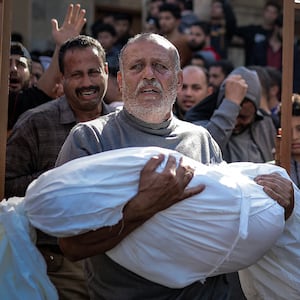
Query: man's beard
point(196, 47)
point(151, 113)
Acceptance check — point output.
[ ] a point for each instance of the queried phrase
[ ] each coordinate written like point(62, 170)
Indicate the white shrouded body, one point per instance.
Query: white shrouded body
point(228, 226)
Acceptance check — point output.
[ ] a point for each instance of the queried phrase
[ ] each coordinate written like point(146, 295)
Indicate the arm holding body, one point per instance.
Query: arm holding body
point(156, 192)
point(280, 189)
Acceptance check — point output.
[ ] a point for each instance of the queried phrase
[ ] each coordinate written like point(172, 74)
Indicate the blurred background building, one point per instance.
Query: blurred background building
point(31, 18)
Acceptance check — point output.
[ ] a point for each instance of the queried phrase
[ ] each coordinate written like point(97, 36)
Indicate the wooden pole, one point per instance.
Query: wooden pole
point(5, 31)
point(287, 81)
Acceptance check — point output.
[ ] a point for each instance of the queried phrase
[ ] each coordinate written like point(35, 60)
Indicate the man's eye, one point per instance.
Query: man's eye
point(20, 64)
point(160, 67)
point(76, 75)
point(37, 76)
point(94, 73)
point(136, 67)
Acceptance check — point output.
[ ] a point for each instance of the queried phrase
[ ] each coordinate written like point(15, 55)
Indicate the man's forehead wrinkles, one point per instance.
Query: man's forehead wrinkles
point(144, 59)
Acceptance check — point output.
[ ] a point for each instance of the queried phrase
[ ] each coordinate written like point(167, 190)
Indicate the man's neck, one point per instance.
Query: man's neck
point(267, 26)
point(173, 35)
point(84, 116)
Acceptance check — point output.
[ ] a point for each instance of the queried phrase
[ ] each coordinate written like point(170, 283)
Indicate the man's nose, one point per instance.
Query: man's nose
point(13, 67)
point(148, 72)
point(86, 80)
point(188, 91)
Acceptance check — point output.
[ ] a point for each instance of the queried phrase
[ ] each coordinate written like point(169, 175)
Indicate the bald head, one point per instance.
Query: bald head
point(195, 87)
point(155, 38)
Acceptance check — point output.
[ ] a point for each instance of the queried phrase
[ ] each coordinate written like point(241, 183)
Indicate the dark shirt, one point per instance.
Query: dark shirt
point(22, 101)
point(35, 142)
point(252, 34)
point(260, 58)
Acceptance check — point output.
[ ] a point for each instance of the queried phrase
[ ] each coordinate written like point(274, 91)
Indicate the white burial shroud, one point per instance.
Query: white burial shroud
point(227, 227)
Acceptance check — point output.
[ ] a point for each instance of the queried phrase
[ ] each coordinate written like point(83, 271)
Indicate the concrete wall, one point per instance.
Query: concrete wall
point(32, 18)
point(21, 18)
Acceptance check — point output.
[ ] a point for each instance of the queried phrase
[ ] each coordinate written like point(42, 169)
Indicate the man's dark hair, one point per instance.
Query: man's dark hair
point(186, 4)
point(172, 8)
point(18, 49)
point(123, 16)
point(296, 105)
point(225, 64)
point(205, 26)
point(274, 4)
point(35, 57)
point(102, 27)
point(275, 77)
point(79, 42)
point(16, 37)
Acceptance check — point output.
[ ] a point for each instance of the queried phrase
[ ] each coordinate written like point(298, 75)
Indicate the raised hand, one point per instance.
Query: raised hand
point(235, 89)
point(72, 25)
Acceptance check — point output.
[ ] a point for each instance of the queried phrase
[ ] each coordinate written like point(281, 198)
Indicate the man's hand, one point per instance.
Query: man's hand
point(158, 191)
point(280, 189)
point(235, 89)
point(72, 25)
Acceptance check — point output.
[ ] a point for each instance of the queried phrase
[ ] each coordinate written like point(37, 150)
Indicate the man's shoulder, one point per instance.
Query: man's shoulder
point(43, 111)
point(265, 121)
point(53, 106)
point(189, 127)
point(32, 96)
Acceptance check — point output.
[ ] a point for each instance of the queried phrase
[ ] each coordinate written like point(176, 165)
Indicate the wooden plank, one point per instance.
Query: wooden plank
point(287, 81)
point(5, 30)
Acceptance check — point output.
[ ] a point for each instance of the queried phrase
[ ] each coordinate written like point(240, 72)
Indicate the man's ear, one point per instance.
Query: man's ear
point(106, 67)
point(210, 90)
point(179, 80)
